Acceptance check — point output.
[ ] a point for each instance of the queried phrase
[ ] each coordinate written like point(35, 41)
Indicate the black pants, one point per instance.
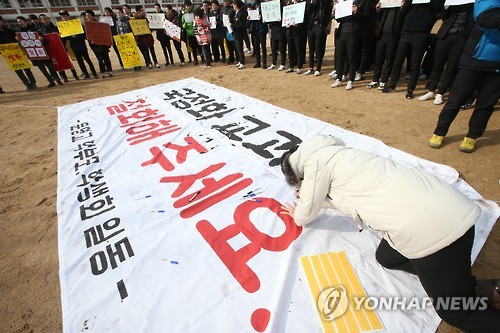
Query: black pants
point(246, 38)
point(84, 56)
point(278, 46)
point(448, 52)
point(178, 49)
point(316, 37)
point(117, 54)
point(167, 50)
point(446, 273)
point(367, 51)
point(466, 81)
point(260, 47)
point(47, 69)
point(416, 44)
point(206, 54)
point(231, 51)
point(384, 53)
point(297, 48)
point(26, 75)
point(146, 50)
point(347, 47)
point(104, 61)
point(218, 49)
point(240, 54)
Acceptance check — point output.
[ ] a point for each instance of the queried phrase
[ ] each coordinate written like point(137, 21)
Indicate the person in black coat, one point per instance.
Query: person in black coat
point(259, 30)
point(318, 18)
point(218, 33)
point(164, 39)
point(239, 25)
point(278, 42)
point(296, 39)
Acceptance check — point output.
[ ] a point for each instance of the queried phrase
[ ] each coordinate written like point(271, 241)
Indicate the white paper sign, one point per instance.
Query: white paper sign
point(390, 3)
point(293, 14)
point(270, 11)
point(213, 22)
point(419, 2)
point(155, 20)
point(254, 15)
point(457, 2)
point(106, 19)
point(188, 17)
point(172, 30)
point(343, 9)
point(227, 23)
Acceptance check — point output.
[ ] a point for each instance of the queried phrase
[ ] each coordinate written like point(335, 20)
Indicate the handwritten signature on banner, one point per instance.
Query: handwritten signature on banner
point(143, 123)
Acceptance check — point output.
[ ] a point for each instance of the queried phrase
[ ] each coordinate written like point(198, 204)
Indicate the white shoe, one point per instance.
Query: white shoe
point(358, 77)
point(332, 73)
point(249, 51)
point(281, 68)
point(349, 85)
point(157, 65)
point(381, 85)
point(238, 64)
point(309, 71)
point(271, 67)
point(317, 73)
point(372, 84)
point(298, 71)
point(241, 66)
point(337, 83)
point(150, 66)
point(426, 96)
point(182, 63)
point(344, 77)
point(439, 99)
point(334, 76)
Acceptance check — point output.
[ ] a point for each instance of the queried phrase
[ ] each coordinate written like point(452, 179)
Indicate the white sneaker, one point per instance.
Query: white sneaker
point(298, 71)
point(344, 77)
point(182, 63)
point(349, 85)
point(271, 67)
point(317, 73)
point(241, 66)
point(381, 85)
point(372, 84)
point(337, 83)
point(281, 68)
point(249, 52)
point(439, 99)
point(332, 73)
point(157, 65)
point(309, 71)
point(150, 66)
point(334, 76)
point(358, 77)
point(426, 96)
point(238, 64)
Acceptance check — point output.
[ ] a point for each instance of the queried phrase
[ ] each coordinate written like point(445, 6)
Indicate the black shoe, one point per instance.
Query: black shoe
point(409, 94)
point(51, 84)
point(77, 78)
point(257, 66)
point(66, 80)
point(1, 91)
point(29, 88)
point(388, 90)
point(86, 77)
point(59, 82)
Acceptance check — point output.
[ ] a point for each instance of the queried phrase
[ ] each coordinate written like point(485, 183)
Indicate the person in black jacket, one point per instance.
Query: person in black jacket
point(451, 37)
point(109, 12)
point(278, 42)
point(100, 51)
point(218, 33)
point(164, 39)
point(228, 10)
point(418, 21)
point(318, 18)
point(259, 30)
point(8, 36)
point(296, 39)
point(173, 17)
point(239, 25)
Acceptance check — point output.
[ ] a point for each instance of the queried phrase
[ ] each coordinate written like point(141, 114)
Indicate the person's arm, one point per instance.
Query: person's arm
point(487, 15)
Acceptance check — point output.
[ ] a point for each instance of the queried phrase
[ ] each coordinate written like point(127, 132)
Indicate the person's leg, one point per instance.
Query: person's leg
point(153, 54)
point(145, 54)
point(282, 49)
point(168, 45)
point(163, 46)
point(392, 259)
point(45, 73)
point(23, 78)
point(86, 57)
point(454, 54)
point(178, 49)
point(389, 58)
point(215, 49)
point(446, 275)
point(311, 40)
point(118, 54)
point(274, 51)
point(489, 93)
point(256, 49)
point(353, 51)
point(380, 52)
point(263, 48)
point(292, 51)
point(107, 62)
point(239, 50)
point(300, 42)
point(230, 48)
point(320, 48)
point(31, 77)
point(419, 43)
point(440, 57)
point(465, 83)
point(222, 50)
point(398, 61)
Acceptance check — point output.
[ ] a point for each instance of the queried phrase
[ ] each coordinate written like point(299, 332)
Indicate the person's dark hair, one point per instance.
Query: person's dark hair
point(127, 6)
point(138, 8)
point(206, 2)
point(157, 4)
point(168, 7)
point(238, 3)
point(33, 17)
point(188, 3)
point(286, 168)
point(198, 12)
point(216, 2)
point(91, 12)
point(118, 9)
point(22, 18)
point(108, 9)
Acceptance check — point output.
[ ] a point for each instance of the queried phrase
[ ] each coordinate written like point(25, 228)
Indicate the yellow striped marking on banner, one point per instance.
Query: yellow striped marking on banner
point(333, 284)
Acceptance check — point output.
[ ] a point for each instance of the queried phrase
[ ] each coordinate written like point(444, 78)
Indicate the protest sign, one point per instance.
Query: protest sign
point(128, 50)
point(98, 33)
point(14, 56)
point(57, 52)
point(32, 45)
point(70, 27)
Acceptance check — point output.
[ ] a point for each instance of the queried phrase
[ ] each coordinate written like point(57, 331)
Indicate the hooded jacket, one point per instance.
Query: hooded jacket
point(417, 213)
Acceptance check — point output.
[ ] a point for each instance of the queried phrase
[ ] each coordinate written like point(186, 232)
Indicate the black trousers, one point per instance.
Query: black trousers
point(231, 51)
point(260, 47)
point(240, 54)
point(178, 49)
point(466, 81)
point(84, 56)
point(26, 75)
point(446, 273)
point(166, 47)
point(316, 37)
point(278, 46)
point(347, 47)
point(448, 52)
point(104, 61)
point(218, 49)
point(246, 38)
point(117, 54)
point(384, 53)
point(297, 48)
point(146, 50)
point(47, 69)
point(368, 41)
point(416, 44)
point(205, 49)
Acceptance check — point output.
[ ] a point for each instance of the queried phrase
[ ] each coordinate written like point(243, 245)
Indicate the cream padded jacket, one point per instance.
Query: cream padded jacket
point(417, 213)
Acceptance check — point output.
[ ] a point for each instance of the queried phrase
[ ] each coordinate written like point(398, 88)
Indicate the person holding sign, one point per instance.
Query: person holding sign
point(318, 18)
point(164, 39)
point(8, 36)
point(259, 30)
point(239, 25)
point(100, 51)
point(218, 32)
point(108, 13)
point(146, 42)
point(296, 39)
point(203, 34)
point(173, 17)
point(278, 42)
point(188, 25)
point(228, 13)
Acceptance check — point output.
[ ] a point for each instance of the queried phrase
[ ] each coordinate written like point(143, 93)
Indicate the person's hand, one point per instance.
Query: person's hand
point(378, 6)
point(354, 9)
point(288, 209)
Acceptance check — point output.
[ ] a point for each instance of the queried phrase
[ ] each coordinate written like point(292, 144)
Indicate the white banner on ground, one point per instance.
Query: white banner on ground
point(271, 11)
point(168, 204)
point(293, 14)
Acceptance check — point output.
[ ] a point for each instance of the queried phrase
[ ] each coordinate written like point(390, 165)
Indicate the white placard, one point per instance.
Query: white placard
point(457, 2)
point(172, 30)
point(213, 22)
point(293, 14)
point(155, 20)
point(227, 23)
point(188, 17)
point(343, 9)
point(270, 11)
point(419, 2)
point(253, 14)
point(390, 3)
point(106, 19)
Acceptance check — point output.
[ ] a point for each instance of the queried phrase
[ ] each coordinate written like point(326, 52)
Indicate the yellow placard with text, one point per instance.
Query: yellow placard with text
point(334, 285)
point(140, 27)
point(129, 53)
point(70, 27)
point(14, 55)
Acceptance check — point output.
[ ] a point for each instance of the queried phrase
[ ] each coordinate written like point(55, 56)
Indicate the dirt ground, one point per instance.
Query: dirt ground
point(29, 276)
